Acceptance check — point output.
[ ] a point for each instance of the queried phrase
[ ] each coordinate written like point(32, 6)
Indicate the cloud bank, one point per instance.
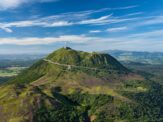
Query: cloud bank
point(138, 42)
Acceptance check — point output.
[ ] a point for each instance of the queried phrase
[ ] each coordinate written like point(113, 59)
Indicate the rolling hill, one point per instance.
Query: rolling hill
point(76, 86)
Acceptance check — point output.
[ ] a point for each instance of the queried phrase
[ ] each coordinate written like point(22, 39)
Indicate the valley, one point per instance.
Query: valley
point(11, 71)
point(12, 65)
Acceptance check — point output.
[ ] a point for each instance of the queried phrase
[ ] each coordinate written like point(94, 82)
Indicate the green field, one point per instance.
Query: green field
point(11, 71)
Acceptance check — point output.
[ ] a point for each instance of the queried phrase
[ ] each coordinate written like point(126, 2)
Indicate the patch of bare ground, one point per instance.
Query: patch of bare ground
point(92, 118)
point(41, 81)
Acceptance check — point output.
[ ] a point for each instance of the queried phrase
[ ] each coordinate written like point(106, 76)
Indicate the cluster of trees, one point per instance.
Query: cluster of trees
point(72, 108)
point(79, 107)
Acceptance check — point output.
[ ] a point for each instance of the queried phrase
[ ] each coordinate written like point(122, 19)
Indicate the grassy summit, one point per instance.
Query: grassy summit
point(70, 56)
point(103, 62)
point(50, 91)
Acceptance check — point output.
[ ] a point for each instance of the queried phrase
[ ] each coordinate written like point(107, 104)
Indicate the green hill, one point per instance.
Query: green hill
point(76, 86)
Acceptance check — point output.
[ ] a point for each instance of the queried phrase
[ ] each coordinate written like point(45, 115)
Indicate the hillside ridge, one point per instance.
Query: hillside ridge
point(69, 56)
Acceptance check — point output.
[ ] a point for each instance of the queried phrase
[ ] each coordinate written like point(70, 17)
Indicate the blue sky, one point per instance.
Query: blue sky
point(41, 26)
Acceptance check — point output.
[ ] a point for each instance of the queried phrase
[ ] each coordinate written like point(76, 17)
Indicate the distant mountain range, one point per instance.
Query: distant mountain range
point(18, 60)
point(21, 57)
point(140, 57)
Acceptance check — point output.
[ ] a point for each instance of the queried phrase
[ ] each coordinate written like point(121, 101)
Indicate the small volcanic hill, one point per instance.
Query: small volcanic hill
point(68, 61)
point(79, 58)
point(76, 86)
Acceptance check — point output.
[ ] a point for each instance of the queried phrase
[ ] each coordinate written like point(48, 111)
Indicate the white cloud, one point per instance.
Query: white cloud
point(60, 20)
point(116, 29)
point(65, 19)
point(152, 20)
point(8, 30)
point(102, 19)
point(58, 24)
point(46, 40)
point(147, 21)
point(29, 23)
point(148, 35)
point(126, 7)
point(147, 41)
point(95, 31)
point(9, 4)
point(136, 13)
point(5, 4)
